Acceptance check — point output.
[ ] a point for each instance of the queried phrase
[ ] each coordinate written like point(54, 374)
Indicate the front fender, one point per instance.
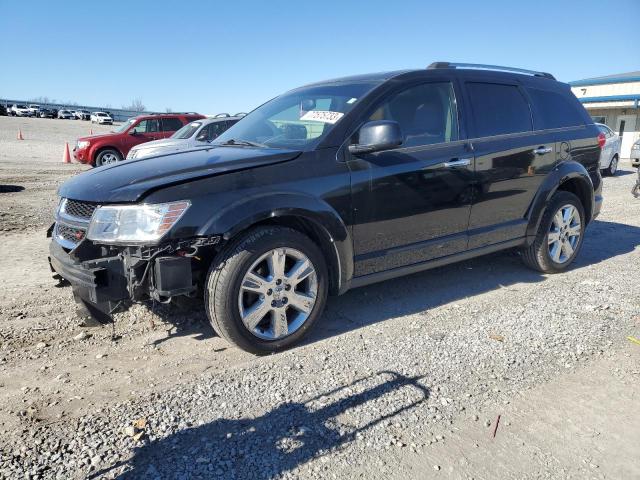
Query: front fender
point(244, 213)
point(563, 172)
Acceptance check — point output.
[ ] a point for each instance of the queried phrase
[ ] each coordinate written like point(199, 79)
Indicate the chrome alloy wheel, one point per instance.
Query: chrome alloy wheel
point(278, 293)
point(564, 233)
point(108, 158)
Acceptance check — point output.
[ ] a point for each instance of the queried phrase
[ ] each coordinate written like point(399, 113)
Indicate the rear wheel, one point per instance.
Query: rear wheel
point(267, 289)
point(106, 157)
point(559, 236)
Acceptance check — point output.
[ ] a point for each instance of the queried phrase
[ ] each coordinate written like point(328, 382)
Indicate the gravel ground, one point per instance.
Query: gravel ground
point(395, 374)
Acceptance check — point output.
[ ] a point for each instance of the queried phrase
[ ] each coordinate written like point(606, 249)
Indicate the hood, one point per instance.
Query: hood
point(96, 136)
point(131, 180)
point(164, 143)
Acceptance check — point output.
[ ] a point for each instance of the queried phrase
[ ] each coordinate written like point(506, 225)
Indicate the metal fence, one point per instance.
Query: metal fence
point(118, 114)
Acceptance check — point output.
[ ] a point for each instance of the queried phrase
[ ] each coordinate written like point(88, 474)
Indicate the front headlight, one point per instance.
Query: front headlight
point(83, 144)
point(134, 223)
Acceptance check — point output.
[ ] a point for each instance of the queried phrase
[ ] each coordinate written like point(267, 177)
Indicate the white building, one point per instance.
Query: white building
point(615, 101)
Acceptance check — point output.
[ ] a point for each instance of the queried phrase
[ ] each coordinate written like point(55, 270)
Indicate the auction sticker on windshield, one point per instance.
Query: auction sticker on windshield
point(324, 116)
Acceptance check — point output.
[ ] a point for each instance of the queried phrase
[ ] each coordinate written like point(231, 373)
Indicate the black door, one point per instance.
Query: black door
point(412, 203)
point(511, 161)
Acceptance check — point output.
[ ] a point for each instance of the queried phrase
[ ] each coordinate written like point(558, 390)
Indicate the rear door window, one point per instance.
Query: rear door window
point(498, 109)
point(554, 110)
point(171, 124)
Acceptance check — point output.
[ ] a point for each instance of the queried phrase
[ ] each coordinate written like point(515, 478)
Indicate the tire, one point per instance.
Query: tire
point(538, 255)
point(108, 156)
point(611, 170)
point(225, 293)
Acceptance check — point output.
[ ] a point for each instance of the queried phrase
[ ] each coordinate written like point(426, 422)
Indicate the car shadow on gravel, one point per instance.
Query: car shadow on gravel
point(622, 173)
point(11, 188)
point(280, 440)
point(421, 292)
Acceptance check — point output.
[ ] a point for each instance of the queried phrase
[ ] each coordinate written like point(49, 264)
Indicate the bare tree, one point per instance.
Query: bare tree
point(136, 106)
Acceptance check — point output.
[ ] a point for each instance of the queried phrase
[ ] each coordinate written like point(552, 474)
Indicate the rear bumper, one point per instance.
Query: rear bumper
point(597, 206)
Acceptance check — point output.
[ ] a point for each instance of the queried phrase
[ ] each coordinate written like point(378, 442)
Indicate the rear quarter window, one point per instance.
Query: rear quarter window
point(555, 110)
point(498, 109)
point(171, 124)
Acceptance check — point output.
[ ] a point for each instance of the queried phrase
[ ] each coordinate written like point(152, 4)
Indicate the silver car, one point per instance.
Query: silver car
point(610, 155)
point(195, 134)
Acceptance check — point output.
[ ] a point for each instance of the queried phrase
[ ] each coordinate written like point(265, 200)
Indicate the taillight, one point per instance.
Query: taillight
point(601, 140)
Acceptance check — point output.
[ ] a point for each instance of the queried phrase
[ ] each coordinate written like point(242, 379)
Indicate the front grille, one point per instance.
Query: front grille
point(79, 209)
point(71, 234)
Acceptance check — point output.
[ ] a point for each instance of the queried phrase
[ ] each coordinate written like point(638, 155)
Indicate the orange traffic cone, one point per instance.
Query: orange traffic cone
point(66, 158)
point(20, 137)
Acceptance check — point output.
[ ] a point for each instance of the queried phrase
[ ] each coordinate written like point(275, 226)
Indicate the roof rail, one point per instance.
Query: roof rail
point(222, 115)
point(479, 66)
point(170, 113)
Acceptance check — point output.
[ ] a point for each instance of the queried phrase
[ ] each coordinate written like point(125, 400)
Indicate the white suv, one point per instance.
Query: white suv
point(101, 118)
point(20, 111)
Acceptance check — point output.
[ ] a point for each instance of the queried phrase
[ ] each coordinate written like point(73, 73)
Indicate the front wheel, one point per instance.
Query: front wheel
point(267, 289)
point(107, 157)
point(559, 236)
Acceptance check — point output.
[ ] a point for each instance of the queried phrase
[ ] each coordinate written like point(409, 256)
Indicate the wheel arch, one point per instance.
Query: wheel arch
point(308, 215)
point(567, 176)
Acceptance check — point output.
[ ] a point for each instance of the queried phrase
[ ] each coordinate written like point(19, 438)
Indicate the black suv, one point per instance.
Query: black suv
point(332, 186)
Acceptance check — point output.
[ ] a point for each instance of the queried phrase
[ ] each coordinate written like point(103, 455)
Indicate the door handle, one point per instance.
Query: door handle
point(542, 150)
point(458, 162)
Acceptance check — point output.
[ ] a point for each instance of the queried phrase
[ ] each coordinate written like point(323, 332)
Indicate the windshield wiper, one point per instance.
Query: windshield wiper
point(233, 142)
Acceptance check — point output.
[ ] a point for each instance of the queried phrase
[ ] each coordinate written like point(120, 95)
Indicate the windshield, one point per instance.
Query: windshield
point(299, 119)
point(125, 125)
point(187, 131)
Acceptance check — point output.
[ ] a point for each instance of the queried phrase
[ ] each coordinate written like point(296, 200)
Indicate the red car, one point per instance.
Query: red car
point(112, 147)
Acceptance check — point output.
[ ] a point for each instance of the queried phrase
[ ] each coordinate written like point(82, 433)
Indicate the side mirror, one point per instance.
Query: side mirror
point(376, 136)
point(202, 137)
point(133, 132)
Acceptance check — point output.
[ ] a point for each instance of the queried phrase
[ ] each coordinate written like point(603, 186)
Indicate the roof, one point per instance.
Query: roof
point(452, 69)
point(615, 78)
point(378, 77)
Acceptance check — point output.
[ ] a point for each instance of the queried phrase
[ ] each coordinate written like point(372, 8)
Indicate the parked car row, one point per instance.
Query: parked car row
point(328, 187)
point(34, 110)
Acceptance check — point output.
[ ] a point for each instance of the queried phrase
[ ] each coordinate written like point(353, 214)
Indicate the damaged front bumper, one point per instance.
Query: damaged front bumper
point(107, 279)
point(99, 285)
